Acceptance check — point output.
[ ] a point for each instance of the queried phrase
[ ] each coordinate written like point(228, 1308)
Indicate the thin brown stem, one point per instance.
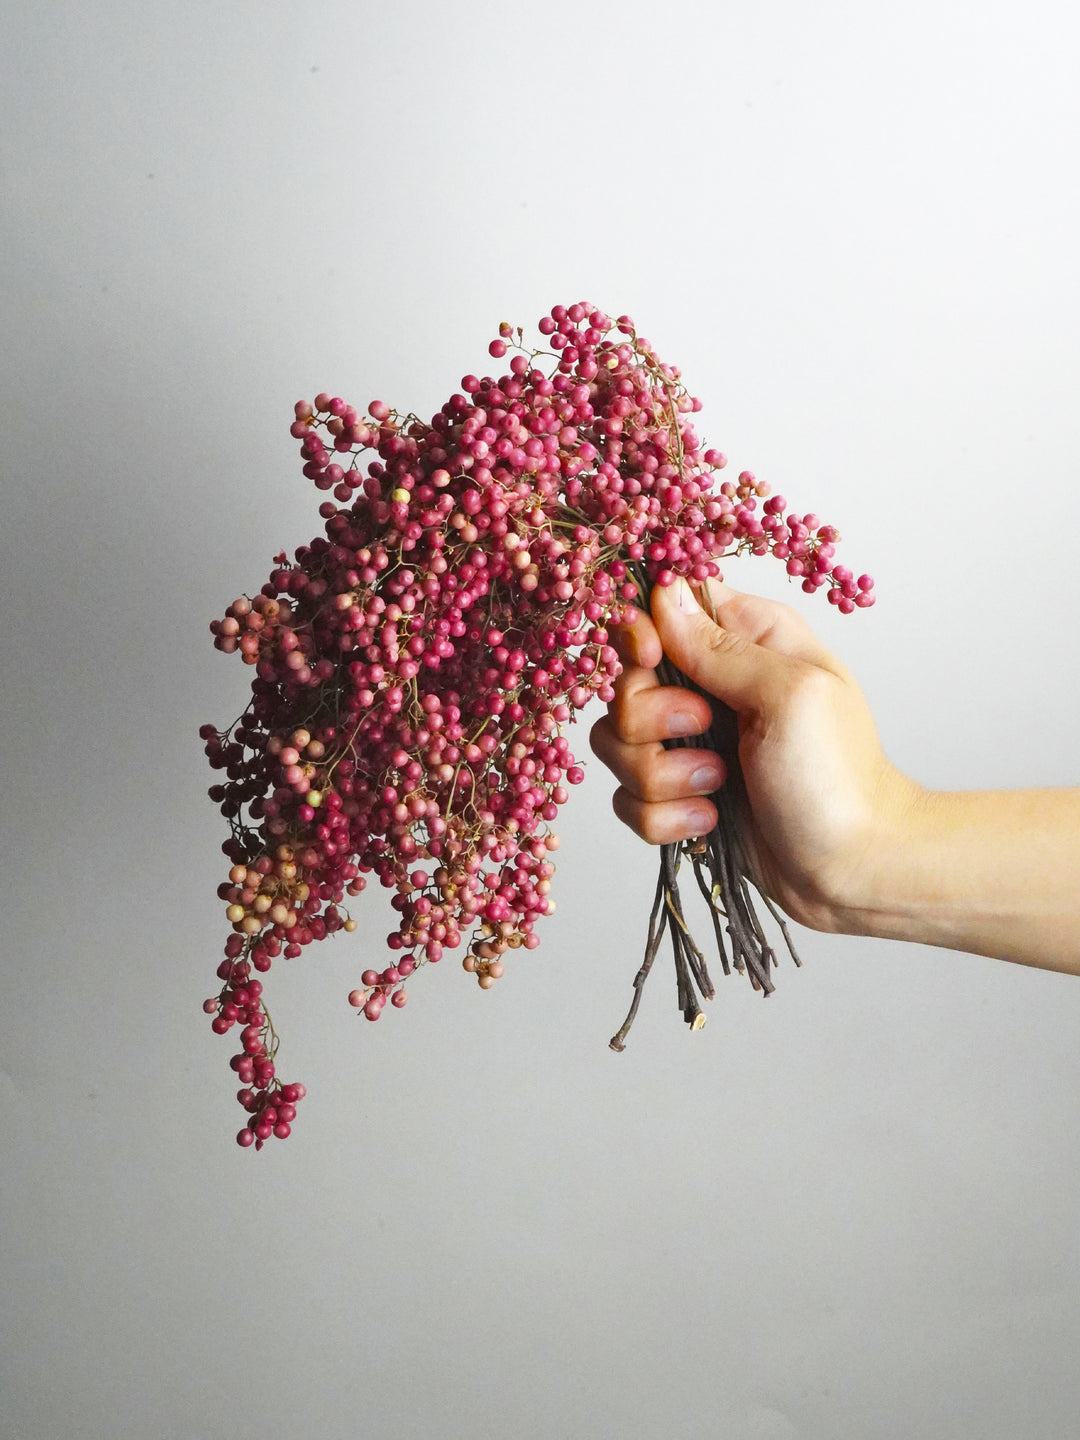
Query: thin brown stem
point(656, 934)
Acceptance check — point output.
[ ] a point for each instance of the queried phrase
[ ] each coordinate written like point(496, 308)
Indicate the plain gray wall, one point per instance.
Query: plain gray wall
point(847, 1212)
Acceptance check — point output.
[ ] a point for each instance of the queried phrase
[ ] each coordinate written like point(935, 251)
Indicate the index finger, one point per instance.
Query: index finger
point(644, 711)
point(637, 641)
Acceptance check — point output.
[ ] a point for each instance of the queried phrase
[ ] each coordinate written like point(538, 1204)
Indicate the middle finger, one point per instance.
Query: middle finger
point(653, 773)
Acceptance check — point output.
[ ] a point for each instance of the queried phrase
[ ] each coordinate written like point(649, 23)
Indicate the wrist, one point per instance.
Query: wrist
point(992, 873)
point(898, 881)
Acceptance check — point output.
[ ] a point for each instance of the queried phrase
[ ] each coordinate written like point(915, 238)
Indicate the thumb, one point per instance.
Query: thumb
point(734, 668)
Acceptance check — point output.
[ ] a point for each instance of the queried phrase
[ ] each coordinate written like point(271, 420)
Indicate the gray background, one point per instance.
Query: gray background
point(847, 1212)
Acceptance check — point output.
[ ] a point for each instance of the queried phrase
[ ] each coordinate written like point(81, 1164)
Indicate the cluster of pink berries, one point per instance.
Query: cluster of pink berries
point(415, 665)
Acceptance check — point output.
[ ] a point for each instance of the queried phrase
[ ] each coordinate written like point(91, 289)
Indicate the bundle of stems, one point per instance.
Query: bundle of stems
point(722, 874)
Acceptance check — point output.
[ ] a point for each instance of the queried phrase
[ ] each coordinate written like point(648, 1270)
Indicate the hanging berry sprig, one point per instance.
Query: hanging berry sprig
point(416, 664)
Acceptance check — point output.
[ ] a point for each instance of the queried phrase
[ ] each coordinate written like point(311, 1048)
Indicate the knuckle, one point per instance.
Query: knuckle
point(648, 783)
point(624, 716)
point(622, 804)
point(788, 623)
point(808, 687)
point(723, 642)
point(781, 620)
point(632, 814)
point(600, 737)
point(784, 618)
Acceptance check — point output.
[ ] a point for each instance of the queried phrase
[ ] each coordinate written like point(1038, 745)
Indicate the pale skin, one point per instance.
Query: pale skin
point(836, 836)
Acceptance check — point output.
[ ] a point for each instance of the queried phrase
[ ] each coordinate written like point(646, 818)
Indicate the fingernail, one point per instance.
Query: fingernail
point(683, 723)
point(706, 779)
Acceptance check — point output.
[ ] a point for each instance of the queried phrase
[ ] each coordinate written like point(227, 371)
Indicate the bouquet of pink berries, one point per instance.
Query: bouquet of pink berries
point(415, 667)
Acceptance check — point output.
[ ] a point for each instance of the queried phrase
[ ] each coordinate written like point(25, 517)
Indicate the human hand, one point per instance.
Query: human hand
point(822, 814)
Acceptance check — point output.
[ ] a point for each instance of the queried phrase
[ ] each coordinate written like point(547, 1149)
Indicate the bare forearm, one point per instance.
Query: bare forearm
point(841, 840)
point(991, 872)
